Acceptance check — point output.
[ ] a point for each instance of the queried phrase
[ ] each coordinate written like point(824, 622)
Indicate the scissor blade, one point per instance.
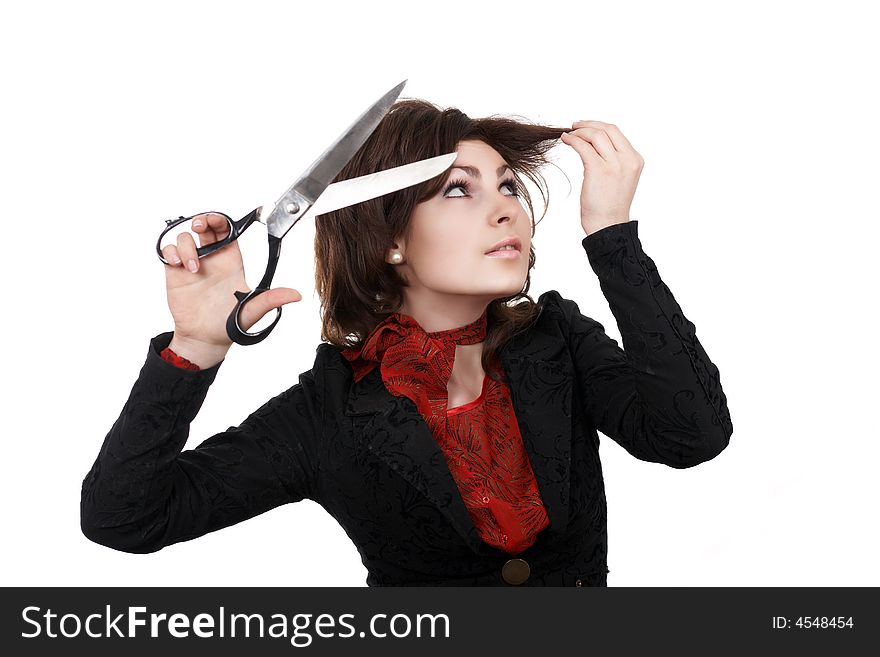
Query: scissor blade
point(322, 171)
point(327, 167)
point(356, 190)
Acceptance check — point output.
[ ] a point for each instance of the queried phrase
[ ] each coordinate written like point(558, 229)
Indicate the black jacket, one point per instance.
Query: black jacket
point(370, 460)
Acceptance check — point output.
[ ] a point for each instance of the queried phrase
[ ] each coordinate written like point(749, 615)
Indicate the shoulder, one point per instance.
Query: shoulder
point(562, 317)
point(555, 307)
point(549, 336)
point(559, 312)
point(328, 377)
point(331, 367)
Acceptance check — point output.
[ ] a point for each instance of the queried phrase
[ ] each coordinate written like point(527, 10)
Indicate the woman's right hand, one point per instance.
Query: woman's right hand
point(200, 301)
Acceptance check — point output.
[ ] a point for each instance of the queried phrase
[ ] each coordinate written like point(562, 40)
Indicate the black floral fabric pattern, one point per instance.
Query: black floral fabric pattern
point(480, 440)
point(369, 459)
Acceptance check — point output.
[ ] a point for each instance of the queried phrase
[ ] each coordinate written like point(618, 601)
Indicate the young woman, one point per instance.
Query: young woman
point(449, 422)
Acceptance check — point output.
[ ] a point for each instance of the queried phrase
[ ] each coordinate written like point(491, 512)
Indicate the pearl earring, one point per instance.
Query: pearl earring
point(396, 258)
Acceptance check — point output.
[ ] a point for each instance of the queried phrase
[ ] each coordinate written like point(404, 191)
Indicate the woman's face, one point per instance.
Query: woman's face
point(452, 235)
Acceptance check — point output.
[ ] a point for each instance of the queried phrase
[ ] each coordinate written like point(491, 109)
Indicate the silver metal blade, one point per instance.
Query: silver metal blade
point(356, 190)
point(311, 184)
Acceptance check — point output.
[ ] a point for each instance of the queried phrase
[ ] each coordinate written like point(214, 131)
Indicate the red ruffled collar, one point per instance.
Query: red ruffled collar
point(400, 344)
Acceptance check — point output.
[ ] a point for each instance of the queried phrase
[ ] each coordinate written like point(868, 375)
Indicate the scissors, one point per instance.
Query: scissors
point(311, 195)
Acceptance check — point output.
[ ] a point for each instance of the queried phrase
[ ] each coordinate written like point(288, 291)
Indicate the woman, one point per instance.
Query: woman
point(449, 423)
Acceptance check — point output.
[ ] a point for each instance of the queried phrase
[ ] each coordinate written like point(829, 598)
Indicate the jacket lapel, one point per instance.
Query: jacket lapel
point(539, 374)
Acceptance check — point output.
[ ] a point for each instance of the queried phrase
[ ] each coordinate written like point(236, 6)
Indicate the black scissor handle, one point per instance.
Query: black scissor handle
point(236, 228)
point(233, 324)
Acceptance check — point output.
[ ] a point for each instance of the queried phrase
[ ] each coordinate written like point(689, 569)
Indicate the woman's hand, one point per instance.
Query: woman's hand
point(611, 172)
point(200, 301)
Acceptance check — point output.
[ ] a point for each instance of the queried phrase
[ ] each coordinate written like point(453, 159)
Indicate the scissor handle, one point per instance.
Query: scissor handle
point(233, 323)
point(236, 228)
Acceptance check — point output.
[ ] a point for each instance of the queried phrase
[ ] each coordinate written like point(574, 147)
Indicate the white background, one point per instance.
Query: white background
point(758, 203)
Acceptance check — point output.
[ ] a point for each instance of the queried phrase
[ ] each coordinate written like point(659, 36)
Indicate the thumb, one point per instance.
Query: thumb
point(256, 308)
point(281, 296)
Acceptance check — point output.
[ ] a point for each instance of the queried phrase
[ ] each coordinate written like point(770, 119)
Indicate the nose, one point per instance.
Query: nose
point(505, 208)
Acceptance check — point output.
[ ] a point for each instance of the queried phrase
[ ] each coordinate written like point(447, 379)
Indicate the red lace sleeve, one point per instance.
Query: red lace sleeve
point(178, 361)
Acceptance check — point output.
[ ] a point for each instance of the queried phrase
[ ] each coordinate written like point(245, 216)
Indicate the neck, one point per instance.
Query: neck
point(467, 369)
point(442, 313)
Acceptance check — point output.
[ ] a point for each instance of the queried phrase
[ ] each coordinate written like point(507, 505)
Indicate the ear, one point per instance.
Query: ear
point(398, 246)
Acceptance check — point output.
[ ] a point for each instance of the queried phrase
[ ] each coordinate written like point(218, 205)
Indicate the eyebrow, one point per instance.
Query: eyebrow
point(475, 172)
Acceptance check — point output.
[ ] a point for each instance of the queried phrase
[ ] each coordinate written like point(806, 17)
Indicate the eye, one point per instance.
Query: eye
point(457, 184)
point(465, 186)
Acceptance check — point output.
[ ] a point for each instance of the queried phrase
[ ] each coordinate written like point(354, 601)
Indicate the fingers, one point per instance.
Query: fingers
point(595, 137)
point(175, 258)
point(210, 227)
point(585, 149)
point(186, 250)
point(613, 134)
point(171, 256)
point(184, 253)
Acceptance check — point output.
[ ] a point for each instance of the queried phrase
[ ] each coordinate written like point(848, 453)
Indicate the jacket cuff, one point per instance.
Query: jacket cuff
point(608, 246)
point(169, 381)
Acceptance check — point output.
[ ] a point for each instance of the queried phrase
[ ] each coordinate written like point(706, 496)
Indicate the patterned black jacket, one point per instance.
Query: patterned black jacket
point(369, 459)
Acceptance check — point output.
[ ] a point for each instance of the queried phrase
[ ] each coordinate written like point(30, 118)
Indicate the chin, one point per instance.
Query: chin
point(508, 290)
point(491, 289)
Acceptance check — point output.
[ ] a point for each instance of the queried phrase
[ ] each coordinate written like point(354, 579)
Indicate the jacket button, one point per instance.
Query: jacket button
point(515, 571)
point(578, 583)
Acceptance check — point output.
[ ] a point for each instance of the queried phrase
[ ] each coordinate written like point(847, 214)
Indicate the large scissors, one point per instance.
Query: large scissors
point(311, 195)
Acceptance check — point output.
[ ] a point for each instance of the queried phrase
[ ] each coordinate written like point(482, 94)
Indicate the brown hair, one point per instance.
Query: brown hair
point(357, 288)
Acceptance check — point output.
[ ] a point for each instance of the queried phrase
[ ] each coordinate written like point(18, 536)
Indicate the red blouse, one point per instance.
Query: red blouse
point(480, 440)
point(180, 361)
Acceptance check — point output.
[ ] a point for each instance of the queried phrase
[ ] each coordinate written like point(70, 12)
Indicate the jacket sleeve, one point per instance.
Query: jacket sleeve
point(661, 399)
point(143, 493)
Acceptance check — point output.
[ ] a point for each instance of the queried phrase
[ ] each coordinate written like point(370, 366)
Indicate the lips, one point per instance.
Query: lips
point(510, 241)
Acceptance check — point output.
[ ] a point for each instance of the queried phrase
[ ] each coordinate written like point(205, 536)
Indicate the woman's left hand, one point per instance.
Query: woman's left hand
point(611, 172)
